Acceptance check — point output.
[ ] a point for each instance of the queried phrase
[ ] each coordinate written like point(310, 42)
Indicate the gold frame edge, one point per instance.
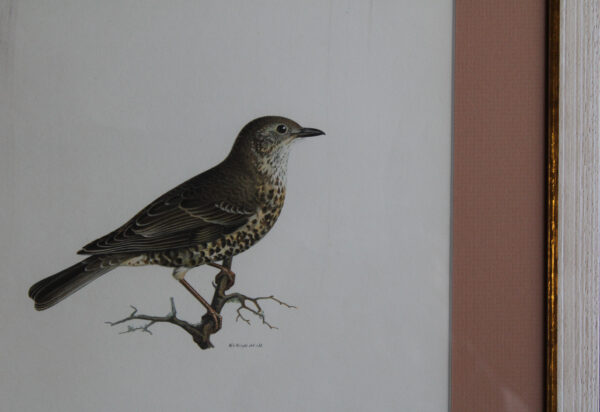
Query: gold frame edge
point(552, 111)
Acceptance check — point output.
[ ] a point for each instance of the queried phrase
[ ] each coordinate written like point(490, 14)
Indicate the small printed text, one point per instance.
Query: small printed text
point(245, 345)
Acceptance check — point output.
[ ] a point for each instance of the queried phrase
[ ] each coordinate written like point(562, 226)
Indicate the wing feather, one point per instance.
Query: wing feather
point(181, 218)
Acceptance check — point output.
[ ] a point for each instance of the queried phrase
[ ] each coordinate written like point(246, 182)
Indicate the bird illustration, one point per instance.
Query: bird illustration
point(205, 220)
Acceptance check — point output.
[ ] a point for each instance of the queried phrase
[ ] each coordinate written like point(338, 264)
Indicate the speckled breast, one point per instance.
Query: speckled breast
point(271, 198)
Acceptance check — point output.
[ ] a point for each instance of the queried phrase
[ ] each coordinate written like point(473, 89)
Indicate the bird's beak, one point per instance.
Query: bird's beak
point(307, 132)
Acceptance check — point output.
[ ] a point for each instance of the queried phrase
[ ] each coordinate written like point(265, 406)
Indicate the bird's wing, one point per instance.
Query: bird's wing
point(180, 218)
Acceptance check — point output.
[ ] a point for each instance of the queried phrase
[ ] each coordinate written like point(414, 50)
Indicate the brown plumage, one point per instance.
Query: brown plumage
point(212, 216)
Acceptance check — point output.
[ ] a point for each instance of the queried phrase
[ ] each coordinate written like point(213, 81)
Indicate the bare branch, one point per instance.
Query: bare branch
point(257, 310)
point(170, 318)
point(201, 332)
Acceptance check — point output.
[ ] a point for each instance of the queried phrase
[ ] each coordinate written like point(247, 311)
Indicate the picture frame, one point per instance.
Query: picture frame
point(500, 335)
point(562, 359)
point(552, 109)
point(562, 364)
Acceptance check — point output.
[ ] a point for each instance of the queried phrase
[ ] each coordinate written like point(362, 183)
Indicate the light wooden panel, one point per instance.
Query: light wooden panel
point(579, 207)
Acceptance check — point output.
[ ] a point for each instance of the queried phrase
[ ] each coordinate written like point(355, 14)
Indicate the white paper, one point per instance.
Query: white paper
point(107, 105)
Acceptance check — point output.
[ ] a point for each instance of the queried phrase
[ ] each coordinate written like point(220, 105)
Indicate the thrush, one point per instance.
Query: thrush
point(205, 220)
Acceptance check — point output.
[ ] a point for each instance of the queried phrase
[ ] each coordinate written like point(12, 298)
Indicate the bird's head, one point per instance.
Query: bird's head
point(266, 141)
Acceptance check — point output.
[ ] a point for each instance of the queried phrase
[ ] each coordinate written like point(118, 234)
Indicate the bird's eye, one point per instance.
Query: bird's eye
point(281, 128)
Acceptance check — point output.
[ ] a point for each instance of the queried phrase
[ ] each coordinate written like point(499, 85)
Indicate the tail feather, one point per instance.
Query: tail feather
point(48, 292)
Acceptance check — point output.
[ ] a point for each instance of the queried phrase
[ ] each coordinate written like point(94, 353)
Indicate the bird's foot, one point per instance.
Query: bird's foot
point(217, 319)
point(227, 272)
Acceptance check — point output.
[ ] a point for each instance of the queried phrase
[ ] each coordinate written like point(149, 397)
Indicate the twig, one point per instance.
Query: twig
point(153, 319)
point(257, 311)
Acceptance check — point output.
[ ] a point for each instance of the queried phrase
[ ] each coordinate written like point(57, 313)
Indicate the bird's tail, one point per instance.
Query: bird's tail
point(48, 292)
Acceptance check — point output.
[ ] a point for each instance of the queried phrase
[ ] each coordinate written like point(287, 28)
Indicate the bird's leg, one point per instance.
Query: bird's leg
point(179, 274)
point(226, 270)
